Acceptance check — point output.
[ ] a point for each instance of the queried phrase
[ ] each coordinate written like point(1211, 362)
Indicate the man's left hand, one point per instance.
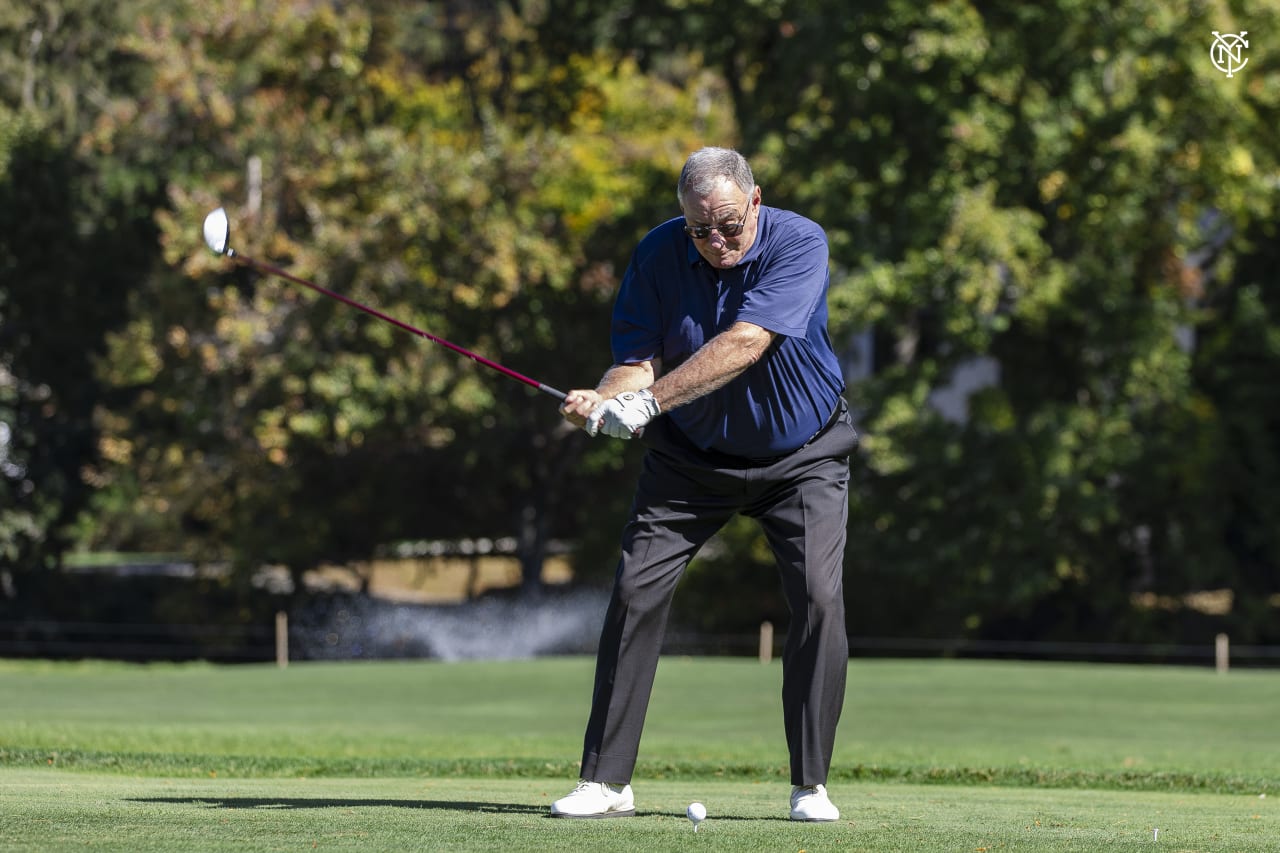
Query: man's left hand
point(626, 415)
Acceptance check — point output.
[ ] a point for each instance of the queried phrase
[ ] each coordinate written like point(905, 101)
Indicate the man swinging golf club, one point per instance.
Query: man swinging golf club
point(724, 370)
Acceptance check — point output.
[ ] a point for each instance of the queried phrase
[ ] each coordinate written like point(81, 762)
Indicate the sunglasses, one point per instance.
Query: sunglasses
point(728, 229)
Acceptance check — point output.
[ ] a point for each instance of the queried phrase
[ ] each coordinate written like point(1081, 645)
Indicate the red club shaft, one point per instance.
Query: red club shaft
point(505, 371)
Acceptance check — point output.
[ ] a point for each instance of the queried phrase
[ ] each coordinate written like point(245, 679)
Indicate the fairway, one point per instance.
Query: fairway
point(932, 755)
point(55, 810)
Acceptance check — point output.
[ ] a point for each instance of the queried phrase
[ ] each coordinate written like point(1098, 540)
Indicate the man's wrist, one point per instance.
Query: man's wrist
point(648, 396)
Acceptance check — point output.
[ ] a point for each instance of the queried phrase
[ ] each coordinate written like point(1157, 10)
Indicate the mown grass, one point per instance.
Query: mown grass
point(419, 755)
point(59, 810)
point(988, 722)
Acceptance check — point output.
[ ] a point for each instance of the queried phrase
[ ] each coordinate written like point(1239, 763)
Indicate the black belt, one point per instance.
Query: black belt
point(842, 406)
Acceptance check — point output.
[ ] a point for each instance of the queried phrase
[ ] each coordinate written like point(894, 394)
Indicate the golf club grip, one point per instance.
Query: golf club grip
point(505, 371)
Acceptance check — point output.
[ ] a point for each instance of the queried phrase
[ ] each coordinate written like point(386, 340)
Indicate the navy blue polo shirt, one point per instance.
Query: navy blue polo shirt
point(672, 302)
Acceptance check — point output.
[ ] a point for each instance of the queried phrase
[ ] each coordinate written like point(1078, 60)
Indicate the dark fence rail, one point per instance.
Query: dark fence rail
point(1215, 650)
point(117, 641)
point(1065, 650)
point(280, 643)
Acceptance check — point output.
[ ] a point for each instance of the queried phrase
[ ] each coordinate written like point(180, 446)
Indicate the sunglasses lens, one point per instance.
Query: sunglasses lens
point(729, 229)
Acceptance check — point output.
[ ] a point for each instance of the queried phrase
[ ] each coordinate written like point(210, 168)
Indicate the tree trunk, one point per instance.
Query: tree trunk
point(531, 548)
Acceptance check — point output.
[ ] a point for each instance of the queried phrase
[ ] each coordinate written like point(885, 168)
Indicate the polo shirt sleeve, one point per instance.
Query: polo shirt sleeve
point(792, 280)
point(636, 335)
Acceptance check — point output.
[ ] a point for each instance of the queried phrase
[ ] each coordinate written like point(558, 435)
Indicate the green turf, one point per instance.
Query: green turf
point(932, 755)
point(54, 810)
point(1120, 726)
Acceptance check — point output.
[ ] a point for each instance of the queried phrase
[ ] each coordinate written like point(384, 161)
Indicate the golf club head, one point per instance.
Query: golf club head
point(217, 231)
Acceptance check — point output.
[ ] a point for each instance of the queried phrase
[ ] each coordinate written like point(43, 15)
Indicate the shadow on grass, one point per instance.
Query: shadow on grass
point(442, 805)
point(291, 803)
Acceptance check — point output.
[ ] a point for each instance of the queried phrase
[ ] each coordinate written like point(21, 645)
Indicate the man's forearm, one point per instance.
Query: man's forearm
point(629, 396)
point(626, 377)
point(718, 362)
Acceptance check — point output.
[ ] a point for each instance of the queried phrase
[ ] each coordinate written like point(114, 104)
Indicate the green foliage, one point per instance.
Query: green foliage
point(275, 427)
point(1062, 193)
point(1069, 194)
point(69, 251)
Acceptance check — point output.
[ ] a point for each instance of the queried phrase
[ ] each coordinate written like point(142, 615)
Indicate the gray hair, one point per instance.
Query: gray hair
point(706, 166)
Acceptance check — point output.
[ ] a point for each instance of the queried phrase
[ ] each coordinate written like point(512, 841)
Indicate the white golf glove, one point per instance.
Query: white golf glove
point(625, 416)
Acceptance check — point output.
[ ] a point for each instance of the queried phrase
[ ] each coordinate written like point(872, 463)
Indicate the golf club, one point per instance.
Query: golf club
point(217, 234)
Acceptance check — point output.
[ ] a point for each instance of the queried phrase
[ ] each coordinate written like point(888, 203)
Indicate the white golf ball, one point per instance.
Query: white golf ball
point(696, 812)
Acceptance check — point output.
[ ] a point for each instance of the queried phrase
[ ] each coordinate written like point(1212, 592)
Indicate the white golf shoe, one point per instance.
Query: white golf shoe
point(810, 802)
point(596, 799)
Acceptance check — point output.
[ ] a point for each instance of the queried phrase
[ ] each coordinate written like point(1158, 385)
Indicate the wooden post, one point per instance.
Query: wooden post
point(255, 185)
point(1222, 652)
point(766, 642)
point(282, 639)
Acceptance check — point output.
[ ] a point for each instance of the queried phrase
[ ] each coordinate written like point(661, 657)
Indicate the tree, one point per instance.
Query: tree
point(469, 191)
point(1055, 190)
point(71, 243)
point(1068, 194)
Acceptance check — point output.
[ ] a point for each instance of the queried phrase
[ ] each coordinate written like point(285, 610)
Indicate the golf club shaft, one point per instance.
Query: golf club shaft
point(505, 371)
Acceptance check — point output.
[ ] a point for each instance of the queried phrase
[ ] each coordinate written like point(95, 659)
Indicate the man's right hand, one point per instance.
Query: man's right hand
point(578, 404)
